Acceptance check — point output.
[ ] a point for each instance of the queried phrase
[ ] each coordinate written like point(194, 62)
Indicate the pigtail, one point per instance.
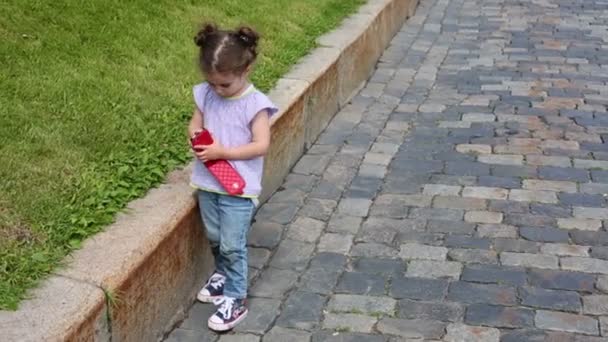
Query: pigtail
point(249, 38)
point(204, 33)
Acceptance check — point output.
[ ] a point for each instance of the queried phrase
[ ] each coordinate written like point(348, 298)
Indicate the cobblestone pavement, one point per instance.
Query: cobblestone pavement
point(461, 196)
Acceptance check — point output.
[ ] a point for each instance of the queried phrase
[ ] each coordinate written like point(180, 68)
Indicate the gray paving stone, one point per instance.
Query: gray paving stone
point(552, 210)
point(320, 278)
point(281, 213)
point(349, 322)
point(319, 149)
point(319, 209)
point(529, 220)
point(292, 255)
point(361, 283)
point(599, 252)
point(397, 206)
point(197, 320)
point(397, 183)
point(385, 267)
point(415, 166)
point(257, 257)
point(262, 313)
point(327, 190)
point(514, 171)
point(438, 311)
point(324, 336)
point(544, 234)
point(463, 168)
point(418, 288)
point(589, 238)
point(429, 213)
point(305, 229)
point(303, 183)
point(497, 231)
point(312, 164)
point(499, 316)
point(575, 281)
point(482, 293)
point(471, 256)
point(362, 304)
point(595, 305)
point(560, 321)
point(563, 174)
point(450, 227)
point(495, 274)
point(459, 241)
point(329, 261)
point(301, 310)
point(509, 207)
point(581, 200)
point(337, 243)
point(373, 250)
point(550, 299)
point(185, 335)
point(288, 196)
point(354, 207)
point(265, 234)
point(364, 187)
point(462, 332)
point(522, 335)
point(340, 223)
point(455, 202)
point(274, 283)
point(412, 328)
point(279, 334)
point(500, 182)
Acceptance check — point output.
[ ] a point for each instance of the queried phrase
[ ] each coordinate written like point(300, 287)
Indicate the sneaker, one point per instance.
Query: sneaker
point(231, 312)
point(213, 289)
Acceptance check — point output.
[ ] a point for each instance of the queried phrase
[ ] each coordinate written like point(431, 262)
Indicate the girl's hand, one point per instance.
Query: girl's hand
point(210, 152)
point(192, 132)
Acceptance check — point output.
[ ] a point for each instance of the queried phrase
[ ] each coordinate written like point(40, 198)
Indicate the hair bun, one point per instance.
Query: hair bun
point(248, 36)
point(204, 34)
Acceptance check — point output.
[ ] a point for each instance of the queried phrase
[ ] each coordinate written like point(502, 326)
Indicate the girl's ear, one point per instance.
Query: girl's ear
point(247, 70)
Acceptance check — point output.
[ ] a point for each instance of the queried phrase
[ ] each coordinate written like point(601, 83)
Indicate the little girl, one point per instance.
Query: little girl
point(238, 117)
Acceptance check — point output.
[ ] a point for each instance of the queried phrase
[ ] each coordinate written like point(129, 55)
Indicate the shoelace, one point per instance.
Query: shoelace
point(216, 281)
point(226, 305)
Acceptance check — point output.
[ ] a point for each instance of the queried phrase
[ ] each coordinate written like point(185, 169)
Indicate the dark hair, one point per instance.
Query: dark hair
point(226, 50)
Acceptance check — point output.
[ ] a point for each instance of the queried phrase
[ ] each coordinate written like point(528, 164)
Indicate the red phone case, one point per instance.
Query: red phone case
point(221, 169)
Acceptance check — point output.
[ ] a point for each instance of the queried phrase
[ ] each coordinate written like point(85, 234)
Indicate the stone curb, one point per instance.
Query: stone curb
point(136, 279)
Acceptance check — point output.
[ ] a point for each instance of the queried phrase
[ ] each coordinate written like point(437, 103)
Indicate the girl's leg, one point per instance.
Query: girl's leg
point(235, 218)
point(209, 206)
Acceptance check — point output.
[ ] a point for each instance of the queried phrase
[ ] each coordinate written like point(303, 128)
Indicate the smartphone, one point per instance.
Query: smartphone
point(201, 138)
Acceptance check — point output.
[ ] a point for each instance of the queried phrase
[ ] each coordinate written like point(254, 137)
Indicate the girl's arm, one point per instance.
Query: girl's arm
point(260, 129)
point(196, 123)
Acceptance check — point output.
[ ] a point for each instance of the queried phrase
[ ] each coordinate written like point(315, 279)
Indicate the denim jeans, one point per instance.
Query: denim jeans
point(227, 220)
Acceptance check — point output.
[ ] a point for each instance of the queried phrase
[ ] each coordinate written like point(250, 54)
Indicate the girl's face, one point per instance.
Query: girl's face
point(227, 84)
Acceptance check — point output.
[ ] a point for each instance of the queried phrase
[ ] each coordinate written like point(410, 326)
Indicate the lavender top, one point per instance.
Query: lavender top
point(229, 121)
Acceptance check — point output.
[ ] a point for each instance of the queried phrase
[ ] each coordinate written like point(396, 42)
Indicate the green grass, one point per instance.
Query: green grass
point(94, 100)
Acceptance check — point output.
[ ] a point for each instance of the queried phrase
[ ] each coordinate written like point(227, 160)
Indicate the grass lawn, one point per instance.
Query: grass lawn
point(94, 100)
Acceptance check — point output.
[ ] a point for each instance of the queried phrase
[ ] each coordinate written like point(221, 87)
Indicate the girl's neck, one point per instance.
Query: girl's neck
point(243, 89)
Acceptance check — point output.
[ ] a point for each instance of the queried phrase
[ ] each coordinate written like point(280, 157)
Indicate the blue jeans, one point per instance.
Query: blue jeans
point(227, 220)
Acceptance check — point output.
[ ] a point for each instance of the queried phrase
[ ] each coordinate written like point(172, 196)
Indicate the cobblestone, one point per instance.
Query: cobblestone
point(414, 328)
point(434, 269)
point(461, 332)
point(529, 260)
point(560, 321)
point(439, 311)
point(499, 316)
